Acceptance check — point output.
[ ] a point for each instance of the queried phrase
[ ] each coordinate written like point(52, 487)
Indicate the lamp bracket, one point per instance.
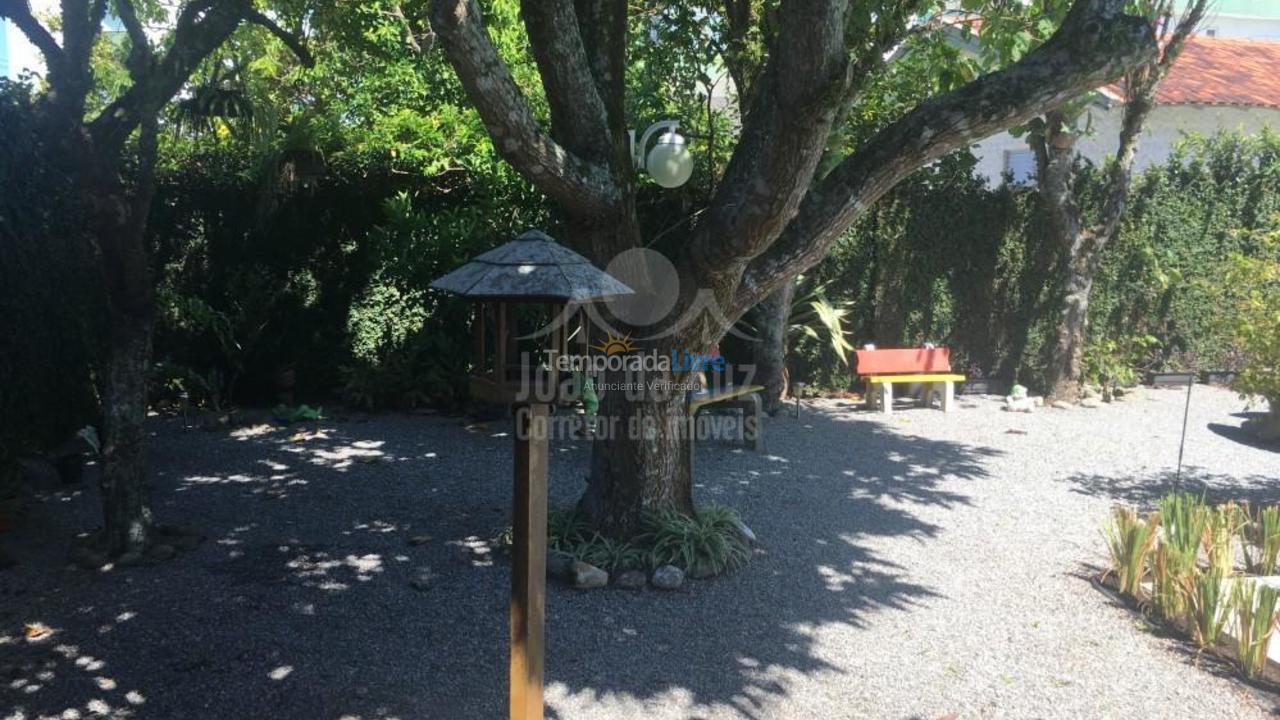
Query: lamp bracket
point(637, 149)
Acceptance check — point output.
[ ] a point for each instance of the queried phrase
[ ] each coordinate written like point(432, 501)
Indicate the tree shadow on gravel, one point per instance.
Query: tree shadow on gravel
point(1145, 491)
point(1242, 435)
point(829, 489)
point(351, 574)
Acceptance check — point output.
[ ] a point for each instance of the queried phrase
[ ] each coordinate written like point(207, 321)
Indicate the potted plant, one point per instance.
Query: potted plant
point(977, 383)
point(1178, 370)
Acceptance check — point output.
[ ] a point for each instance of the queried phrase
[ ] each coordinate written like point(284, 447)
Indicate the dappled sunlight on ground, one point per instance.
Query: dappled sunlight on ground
point(351, 569)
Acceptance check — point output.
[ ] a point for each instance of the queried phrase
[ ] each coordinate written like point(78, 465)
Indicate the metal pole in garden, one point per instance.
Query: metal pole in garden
point(1186, 410)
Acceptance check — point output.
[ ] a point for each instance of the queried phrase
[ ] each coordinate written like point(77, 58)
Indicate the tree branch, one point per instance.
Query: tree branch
point(1095, 44)
point(602, 24)
point(19, 13)
point(1140, 99)
point(578, 117)
point(786, 130)
point(202, 26)
point(291, 41)
point(140, 55)
point(581, 187)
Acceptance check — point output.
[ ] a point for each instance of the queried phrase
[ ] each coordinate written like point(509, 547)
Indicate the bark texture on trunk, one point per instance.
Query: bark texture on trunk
point(1067, 361)
point(772, 318)
point(119, 223)
point(639, 460)
point(126, 494)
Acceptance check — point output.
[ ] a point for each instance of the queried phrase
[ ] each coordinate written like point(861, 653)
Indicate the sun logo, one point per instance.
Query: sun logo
point(614, 345)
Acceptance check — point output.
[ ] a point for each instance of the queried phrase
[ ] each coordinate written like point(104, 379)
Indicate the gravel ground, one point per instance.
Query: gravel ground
point(922, 566)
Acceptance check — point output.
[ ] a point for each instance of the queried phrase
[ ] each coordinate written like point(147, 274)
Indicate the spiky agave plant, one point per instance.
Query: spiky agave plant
point(1255, 606)
point(1183, 519)
point(1220, 533)
point(1129, 540)
point(1208, 606)
point(1260, 541)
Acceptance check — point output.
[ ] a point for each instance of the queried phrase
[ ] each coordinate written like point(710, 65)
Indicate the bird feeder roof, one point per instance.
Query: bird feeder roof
point(532, 267)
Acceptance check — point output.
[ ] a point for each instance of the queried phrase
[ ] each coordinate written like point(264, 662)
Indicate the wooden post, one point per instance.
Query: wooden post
point(500, 344)
point(529, 562)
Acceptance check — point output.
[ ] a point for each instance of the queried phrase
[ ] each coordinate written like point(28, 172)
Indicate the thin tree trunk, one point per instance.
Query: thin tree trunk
point(1066, 368)
point(126, 495)
point(771, 318)
point(120, 221)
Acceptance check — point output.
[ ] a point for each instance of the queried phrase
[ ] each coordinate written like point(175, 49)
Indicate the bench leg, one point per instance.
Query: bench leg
point(753, 431)
point(948, 395)
point(693, 435)
point(886, 398)
point(926, 395)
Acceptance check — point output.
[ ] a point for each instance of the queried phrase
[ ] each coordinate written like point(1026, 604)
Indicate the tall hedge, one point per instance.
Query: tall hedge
point(944, 258)
point(50, 304)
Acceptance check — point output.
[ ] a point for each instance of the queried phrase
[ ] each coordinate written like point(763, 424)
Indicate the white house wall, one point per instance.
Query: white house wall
point(1166, 125)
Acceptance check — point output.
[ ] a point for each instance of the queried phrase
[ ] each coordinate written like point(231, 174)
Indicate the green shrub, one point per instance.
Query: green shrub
point(1260, 541)
point(1255, 606)
point(1251, 289)
point(709, 540)
point(1208, 606)
point(1129, 542)
point(566, 529)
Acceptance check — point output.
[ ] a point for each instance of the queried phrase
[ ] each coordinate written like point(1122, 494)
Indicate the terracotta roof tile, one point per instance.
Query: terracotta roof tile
point(1221, 71)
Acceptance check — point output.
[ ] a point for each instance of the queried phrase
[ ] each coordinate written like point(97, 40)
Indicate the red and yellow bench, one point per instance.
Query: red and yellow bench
point(882, 369)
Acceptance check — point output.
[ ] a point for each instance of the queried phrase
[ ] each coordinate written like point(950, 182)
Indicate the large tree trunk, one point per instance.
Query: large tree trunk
point(771, 318)
point(639, 460)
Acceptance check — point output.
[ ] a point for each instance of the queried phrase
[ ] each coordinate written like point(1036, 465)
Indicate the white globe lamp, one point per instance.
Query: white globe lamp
point(669, 162)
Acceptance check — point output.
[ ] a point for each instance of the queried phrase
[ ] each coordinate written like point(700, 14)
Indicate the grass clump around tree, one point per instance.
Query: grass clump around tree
point(709, 542)
point(1198, 567)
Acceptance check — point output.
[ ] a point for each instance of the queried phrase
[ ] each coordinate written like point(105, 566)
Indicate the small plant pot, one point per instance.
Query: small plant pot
point(1171, 379)
point(985, 386)
point(1217, 377)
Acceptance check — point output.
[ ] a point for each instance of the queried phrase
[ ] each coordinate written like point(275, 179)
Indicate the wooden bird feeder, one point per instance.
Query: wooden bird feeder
point(529, 272)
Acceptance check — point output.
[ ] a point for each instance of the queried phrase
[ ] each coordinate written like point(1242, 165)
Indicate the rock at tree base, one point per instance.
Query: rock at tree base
point(668, 577)
point(744, 533)
point(129, 559)
point(631, 580)
point(587, 576)
point(162, 552)
point(1062, 405)
point(559, 565)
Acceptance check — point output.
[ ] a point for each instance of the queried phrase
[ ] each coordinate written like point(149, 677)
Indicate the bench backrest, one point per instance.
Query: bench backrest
point(902, 361)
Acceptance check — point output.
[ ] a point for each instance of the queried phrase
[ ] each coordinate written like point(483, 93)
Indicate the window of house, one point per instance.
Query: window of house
point(1020, 165)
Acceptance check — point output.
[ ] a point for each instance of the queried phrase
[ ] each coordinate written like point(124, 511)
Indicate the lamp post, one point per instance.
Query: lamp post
point(669, 163)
